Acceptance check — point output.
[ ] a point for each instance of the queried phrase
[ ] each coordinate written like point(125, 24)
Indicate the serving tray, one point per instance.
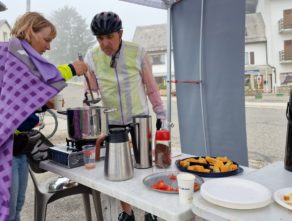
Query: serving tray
point(211, 174)
point(168, 178)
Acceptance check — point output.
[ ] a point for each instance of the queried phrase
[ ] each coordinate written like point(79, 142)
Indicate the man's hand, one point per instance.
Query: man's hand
point(50, 104)
point(80, 67)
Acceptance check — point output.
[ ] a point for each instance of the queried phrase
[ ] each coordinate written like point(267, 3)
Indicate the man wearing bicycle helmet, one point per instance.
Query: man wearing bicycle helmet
point(121, 72)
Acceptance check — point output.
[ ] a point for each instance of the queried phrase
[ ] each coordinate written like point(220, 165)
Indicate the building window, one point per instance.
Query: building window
point(5, 36)
point(287, 17)
point(288, 46)
point(246, 58)
point(158, 59)
point(286, 78)
point(249, 58)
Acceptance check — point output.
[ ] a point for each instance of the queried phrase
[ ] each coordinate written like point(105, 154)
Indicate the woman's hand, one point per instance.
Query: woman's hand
point(80, 67)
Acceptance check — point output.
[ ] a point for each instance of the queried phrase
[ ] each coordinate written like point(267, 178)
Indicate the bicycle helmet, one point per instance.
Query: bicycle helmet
point(105, 23)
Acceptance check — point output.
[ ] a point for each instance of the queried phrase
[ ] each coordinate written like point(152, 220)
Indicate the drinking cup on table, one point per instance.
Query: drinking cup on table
point(89, 156)
point(185, 183)
point(58, 102)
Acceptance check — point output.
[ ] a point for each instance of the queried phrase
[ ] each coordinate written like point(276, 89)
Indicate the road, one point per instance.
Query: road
point(266, 126)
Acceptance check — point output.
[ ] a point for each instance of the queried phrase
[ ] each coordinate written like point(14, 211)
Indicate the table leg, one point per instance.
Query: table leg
point(87, 206)
point(97, 205)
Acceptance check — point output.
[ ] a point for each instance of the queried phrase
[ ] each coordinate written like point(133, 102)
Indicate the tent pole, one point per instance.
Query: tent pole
point(168, 77)
point(27, 5)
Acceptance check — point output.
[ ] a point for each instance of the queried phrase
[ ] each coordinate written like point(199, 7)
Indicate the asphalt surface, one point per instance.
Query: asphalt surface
point(266, 134)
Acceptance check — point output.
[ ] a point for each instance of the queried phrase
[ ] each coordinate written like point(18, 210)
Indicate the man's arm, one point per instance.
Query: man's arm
point(152, 90)
point(90, 73)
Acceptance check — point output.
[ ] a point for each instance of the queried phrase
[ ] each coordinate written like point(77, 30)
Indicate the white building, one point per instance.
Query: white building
point(5, 30)
point(258, 74)
point(268, 46)
point(153, 39)
point(277, 16)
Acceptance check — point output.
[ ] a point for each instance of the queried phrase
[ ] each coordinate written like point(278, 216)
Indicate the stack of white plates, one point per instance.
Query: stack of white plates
point(236, 193)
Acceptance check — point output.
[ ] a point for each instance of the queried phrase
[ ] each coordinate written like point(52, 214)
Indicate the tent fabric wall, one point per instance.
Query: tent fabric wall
point(219, 104)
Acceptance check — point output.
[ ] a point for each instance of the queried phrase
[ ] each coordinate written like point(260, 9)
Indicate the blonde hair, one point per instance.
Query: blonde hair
point(30, 23)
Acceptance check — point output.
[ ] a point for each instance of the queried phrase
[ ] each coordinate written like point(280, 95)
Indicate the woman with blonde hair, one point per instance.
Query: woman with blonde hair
point(27, 82)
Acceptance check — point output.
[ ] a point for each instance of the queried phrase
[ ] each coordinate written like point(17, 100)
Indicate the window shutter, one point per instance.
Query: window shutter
point(251, 57)
point(288, 46)
point(287, 18)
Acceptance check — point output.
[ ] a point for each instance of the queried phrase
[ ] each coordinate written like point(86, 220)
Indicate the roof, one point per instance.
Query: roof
point(254, 28)
point(151, 37)
point(2, 22)
point(250, 6)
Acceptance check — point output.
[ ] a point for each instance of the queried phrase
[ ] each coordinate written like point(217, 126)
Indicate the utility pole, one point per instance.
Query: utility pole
point(27, 5)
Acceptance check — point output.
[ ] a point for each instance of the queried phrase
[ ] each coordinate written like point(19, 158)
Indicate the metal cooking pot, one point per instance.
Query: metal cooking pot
point(87, 122)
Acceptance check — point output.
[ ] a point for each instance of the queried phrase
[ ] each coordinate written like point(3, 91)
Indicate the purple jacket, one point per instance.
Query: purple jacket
point(27, 82)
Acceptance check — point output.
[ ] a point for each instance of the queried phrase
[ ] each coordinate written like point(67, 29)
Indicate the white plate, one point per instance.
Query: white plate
point(236, 193)
point(278, 197)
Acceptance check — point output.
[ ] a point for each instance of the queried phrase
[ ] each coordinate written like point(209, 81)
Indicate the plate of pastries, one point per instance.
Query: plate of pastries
point(284, 197)
point(207, 166)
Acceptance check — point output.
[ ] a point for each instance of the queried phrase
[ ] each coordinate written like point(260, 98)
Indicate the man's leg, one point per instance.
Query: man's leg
point(127, 214)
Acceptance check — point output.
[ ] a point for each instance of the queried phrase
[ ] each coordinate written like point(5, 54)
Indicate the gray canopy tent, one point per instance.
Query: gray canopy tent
point(208, 49)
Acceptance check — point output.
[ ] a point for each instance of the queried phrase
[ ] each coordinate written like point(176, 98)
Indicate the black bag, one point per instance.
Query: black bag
point(39, 153)
point(40, 150)
point(24, 142)
point(35, 145)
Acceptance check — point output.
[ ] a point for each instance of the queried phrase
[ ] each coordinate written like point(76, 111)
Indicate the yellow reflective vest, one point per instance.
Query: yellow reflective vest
point(121, 87)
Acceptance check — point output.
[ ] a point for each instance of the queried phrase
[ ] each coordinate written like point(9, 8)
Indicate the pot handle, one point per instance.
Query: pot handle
point(62, 112)
point(100, 139)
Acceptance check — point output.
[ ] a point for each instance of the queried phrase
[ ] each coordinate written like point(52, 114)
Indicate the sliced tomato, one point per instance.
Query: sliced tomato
point(154, 186)
point(160, 184)
point(172, 177)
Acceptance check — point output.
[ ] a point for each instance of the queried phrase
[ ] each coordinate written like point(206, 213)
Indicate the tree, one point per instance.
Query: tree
point(73, 36)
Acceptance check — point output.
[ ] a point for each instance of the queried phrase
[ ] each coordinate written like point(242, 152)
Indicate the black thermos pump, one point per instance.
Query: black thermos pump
point(288, 152)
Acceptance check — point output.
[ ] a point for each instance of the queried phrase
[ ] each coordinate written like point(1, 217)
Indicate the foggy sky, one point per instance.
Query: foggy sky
point(132, 15)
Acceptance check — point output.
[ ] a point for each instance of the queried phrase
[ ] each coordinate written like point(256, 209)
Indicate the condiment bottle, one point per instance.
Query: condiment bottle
point(162, 149)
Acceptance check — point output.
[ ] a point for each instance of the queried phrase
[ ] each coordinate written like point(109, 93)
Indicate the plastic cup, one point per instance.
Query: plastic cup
point(185, 183)
point(89, 156)
point(58, 102)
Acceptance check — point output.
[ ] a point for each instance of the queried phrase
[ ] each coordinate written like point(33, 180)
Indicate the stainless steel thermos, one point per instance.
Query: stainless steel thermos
point(288, 151)
point(118, 161)
point(142, 141)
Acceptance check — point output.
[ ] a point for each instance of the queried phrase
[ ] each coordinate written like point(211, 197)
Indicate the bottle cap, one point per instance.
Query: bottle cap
point(162, 135)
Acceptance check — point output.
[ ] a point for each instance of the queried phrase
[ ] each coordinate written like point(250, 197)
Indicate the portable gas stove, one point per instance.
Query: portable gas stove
point(70, 155)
